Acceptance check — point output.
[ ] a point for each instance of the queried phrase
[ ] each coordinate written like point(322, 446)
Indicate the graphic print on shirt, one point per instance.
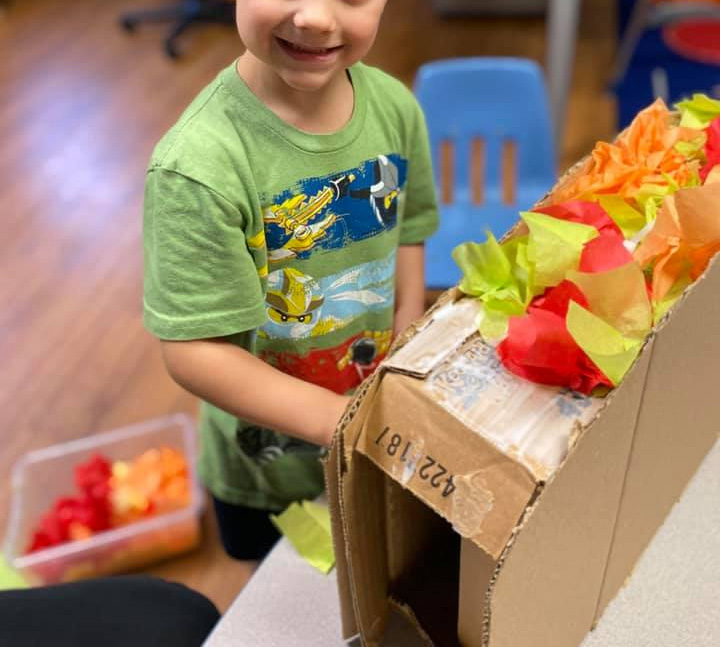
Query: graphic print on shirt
point(300, 306)
point(340, 368)
point(331, 212)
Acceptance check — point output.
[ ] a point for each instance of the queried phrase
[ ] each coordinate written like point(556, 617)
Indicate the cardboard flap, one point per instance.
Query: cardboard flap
point(445, 329)
point(456, 472)
point(333, 467)
point(365, 549)
point(355, 493)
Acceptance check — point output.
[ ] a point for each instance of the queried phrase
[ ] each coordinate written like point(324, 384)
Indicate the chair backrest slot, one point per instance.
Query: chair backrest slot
point(477, 171)
point(509, 172)
point(447, 171)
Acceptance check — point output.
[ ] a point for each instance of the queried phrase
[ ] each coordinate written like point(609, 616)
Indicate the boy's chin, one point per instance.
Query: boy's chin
point(303, 81)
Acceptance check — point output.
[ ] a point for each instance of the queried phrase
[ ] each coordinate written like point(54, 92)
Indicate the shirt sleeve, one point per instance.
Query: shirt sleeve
point(420, 215)
point(200, 276)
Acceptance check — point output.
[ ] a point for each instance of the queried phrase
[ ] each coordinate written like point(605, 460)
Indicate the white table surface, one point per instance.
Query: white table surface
point(673, 598)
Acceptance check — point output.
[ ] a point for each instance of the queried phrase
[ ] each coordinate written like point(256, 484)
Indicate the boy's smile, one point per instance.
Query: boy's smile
point(308, 53)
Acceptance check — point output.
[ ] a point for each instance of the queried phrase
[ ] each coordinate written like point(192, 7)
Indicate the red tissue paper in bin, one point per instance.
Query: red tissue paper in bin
point(113, 495)
point(77, 517)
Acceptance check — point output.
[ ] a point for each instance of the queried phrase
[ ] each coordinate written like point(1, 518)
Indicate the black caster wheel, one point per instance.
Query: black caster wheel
point(128, 24)
point(171, 50)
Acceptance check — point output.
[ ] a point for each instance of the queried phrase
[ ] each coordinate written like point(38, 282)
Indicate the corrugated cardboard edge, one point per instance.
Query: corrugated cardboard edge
point(333, 471)
point(406, 613)
point(336, 467)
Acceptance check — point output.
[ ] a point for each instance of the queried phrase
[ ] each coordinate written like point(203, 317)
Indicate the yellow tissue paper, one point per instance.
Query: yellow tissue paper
point(619, 297)
point(9, 577)
point(554, 246)
point(612, 352)
point(307, 527)
point(698, 112)
point(629, 219)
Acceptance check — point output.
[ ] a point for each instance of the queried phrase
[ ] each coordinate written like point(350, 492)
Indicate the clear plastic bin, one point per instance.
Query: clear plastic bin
point(39, 477)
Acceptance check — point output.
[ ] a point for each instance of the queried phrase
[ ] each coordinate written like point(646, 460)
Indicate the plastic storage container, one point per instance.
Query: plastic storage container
point(39, 477)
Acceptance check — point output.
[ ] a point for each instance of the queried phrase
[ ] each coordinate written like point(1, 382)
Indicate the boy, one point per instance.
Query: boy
point(284, 219)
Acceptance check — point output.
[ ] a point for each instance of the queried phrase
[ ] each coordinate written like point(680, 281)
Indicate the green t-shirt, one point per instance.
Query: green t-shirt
point(284, 242)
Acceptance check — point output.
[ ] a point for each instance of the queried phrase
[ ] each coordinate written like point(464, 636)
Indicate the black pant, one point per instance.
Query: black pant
point(246, 533)
point(128, 611)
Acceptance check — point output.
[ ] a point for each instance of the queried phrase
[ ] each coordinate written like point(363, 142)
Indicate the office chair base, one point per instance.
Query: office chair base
point(184, 15)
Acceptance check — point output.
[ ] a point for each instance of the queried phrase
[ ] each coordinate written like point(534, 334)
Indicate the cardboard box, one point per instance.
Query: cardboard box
point(494, 512)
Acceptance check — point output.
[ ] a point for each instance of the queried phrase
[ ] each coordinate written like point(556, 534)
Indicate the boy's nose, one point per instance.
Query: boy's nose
point(316, 15)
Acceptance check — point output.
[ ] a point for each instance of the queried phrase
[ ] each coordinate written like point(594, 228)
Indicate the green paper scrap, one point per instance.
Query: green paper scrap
point(651, 196)
point(699, 111)
point(321, 514)
point(554, 246)
point(612, 352)
point(693, 148)
point(484, 265)
point(307, 527)
point(523, 269)
point(492, 324)
point(629, 219)
point(491, 275)
point(9, 577)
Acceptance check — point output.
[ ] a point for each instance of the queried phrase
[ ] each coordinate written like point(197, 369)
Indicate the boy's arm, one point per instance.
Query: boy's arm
point(245, 386)
point(409, 286)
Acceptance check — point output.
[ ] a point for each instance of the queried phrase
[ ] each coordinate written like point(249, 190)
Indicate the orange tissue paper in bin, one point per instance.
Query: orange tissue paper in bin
point(154, 483)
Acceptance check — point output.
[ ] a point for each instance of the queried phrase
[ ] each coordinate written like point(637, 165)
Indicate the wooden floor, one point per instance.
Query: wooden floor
point(81, 105)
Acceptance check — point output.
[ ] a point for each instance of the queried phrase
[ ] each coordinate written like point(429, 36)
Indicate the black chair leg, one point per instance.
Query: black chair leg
point(131, 20)
point(170, 42)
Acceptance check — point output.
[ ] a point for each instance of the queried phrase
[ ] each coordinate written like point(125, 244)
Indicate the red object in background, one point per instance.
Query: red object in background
point(76, 517)
point(696, 40)
point(92, 478)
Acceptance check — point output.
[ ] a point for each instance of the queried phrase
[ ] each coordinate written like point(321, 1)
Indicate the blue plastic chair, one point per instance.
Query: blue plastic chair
point(486, 104)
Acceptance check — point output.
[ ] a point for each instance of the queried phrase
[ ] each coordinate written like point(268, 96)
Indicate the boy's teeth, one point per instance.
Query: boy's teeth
point(312, 50)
